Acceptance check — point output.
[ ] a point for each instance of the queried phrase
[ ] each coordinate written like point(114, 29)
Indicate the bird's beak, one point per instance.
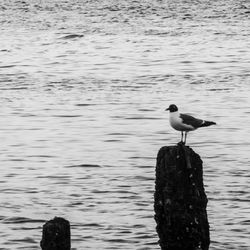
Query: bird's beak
point(166, 109)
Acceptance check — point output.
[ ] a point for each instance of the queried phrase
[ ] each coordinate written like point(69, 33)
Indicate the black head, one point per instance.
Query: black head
point(172, 108)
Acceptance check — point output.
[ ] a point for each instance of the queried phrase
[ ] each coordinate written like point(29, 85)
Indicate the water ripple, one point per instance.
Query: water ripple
point(84, 86)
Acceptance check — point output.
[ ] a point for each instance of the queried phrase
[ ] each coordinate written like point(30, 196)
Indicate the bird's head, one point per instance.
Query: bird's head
point(172, 108)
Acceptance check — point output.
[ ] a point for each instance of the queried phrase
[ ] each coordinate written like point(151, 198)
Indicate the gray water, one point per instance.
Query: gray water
point(83, 89)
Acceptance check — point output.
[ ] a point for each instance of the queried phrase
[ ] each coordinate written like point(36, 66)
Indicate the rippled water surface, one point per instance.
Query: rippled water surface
point(83, 89)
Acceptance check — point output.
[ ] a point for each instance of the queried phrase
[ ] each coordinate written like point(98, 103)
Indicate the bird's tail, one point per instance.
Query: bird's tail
point(207, 123)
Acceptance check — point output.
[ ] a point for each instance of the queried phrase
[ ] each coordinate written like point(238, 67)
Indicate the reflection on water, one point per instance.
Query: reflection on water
point(83, 88)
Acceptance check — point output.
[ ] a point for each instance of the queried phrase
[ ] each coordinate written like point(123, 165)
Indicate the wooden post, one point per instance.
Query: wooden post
point(56, 235)
point(180, 200)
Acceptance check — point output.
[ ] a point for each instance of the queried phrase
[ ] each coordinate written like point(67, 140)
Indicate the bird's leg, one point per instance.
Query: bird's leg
point(185, 139)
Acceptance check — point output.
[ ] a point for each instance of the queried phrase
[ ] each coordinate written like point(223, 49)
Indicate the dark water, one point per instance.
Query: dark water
point(83, 88)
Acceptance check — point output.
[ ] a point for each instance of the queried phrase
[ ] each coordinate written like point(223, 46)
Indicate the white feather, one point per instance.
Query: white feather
point(177, 124)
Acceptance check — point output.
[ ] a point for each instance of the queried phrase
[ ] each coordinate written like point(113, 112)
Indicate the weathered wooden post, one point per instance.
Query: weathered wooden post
point(56, 235)
point(180, 200)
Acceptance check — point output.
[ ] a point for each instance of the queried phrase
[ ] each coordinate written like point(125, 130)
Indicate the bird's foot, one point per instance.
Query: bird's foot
point(181, 143)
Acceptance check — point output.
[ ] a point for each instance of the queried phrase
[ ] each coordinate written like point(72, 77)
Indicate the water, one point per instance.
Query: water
point(84, 85)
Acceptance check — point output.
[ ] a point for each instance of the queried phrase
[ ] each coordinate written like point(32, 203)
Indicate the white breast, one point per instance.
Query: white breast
point(176, 122)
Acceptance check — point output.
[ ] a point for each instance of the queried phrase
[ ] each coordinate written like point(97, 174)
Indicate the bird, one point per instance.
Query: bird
point(184, 122)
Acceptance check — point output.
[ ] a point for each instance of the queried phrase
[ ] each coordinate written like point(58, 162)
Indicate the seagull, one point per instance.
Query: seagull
point(184, 122)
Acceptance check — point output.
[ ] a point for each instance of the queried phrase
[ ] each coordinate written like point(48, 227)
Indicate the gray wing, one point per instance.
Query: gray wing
point(190, 120)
